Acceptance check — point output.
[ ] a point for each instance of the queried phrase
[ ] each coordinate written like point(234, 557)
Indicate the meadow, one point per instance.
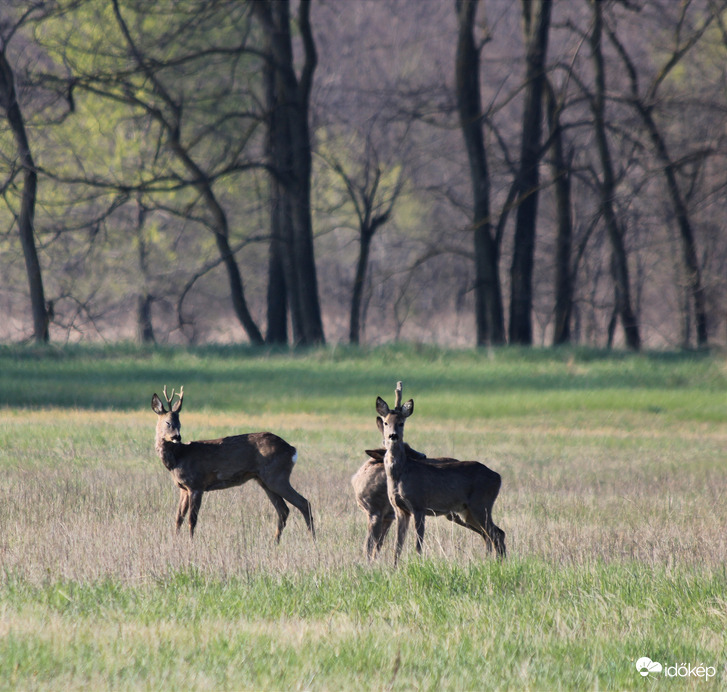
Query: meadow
point(613, 501)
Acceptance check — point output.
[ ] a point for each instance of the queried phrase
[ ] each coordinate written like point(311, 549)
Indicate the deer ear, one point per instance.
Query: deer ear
point(177, 407)
point(382, 408)
point(380, 425)
point(157, 406)
point(408, 408)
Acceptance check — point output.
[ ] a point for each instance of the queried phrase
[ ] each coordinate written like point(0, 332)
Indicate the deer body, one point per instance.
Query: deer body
point(415, 488)
point(372, 496)
point(226, 462)
point(205, 465)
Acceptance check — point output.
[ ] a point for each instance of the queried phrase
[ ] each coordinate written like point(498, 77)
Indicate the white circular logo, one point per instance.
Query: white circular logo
point(645, 666)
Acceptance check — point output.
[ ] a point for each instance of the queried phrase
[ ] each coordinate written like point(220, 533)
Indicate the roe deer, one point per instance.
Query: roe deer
point(465, 488)
point(369, 487)
point(198, 467)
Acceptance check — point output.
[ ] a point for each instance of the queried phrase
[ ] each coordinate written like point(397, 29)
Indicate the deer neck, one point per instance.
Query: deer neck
point(166, 452)
point(395, 459)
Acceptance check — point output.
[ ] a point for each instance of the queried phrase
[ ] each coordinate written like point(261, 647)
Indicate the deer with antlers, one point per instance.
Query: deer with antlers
point(369, 487)
point(201, 466)
point(465, 488)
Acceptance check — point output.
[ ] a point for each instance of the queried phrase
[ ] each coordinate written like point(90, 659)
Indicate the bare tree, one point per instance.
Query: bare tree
point(25, 217)
point(166, 81)
point(645, 105)
point(205, 113)
point(171, 121)
point(373, 202)
point(289, 146)
point(489, 315)
point(536, 26)
point(619, 261)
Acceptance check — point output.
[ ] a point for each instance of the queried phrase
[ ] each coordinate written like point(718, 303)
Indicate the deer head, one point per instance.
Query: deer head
point(168, 425)
point(391, 422)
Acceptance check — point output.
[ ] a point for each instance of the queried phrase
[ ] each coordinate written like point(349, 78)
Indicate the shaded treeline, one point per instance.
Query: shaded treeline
point(469, 172)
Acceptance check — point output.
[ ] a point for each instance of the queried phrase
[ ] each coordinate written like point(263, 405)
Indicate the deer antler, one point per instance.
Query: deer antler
point(171, 398)
point(397, 394)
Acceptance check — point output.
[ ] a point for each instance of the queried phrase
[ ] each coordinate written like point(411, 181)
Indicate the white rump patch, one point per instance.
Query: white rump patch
point(295, 456)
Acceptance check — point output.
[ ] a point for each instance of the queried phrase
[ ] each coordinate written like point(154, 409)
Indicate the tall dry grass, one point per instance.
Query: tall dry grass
point(101, 504)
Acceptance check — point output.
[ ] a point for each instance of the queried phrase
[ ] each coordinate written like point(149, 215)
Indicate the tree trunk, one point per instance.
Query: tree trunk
point(536, 21)
point(280, 230)
point(354, 332)
point(277, 332)
point(488, 291)
point(280, 268)
point(304, 254)
point(564, 273)
point(222, 234)
point(234, 279)
point(26, 217)
point(221, 231)
point(608, 188)
point(290, 149)
point(144, 326)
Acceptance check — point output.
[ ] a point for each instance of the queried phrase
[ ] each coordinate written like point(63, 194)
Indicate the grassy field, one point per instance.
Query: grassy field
point(613, 500)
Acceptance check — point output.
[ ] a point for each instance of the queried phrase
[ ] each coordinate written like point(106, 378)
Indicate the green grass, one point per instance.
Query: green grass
point(433, 625)
point(613, 502)
point(448, 384)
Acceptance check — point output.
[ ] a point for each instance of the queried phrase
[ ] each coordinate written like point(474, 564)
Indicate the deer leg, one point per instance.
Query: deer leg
point(281, 508)
point(288, 492)
point(373, 535)
point(475, 520)
point(182, 507)
point(493, 535)
point(386, 521)
point(499, 540)
point(195, 500)
point(419, 525)
point(455, 518)
point(378, 528)
point(402, 524)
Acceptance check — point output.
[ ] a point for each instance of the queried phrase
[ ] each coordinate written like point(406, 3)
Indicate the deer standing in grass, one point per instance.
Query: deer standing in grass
point(415, 488)
point(198, 467)
point(369, 487)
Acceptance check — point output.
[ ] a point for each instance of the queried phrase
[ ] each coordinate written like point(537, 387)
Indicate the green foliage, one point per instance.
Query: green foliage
point(112, 151)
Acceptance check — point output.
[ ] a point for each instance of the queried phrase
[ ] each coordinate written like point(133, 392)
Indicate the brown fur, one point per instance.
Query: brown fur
point(369, 487)
point(418, 489)
point(204, 465)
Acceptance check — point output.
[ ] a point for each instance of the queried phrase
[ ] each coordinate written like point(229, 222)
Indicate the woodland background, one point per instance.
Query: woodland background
point(457, 172)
